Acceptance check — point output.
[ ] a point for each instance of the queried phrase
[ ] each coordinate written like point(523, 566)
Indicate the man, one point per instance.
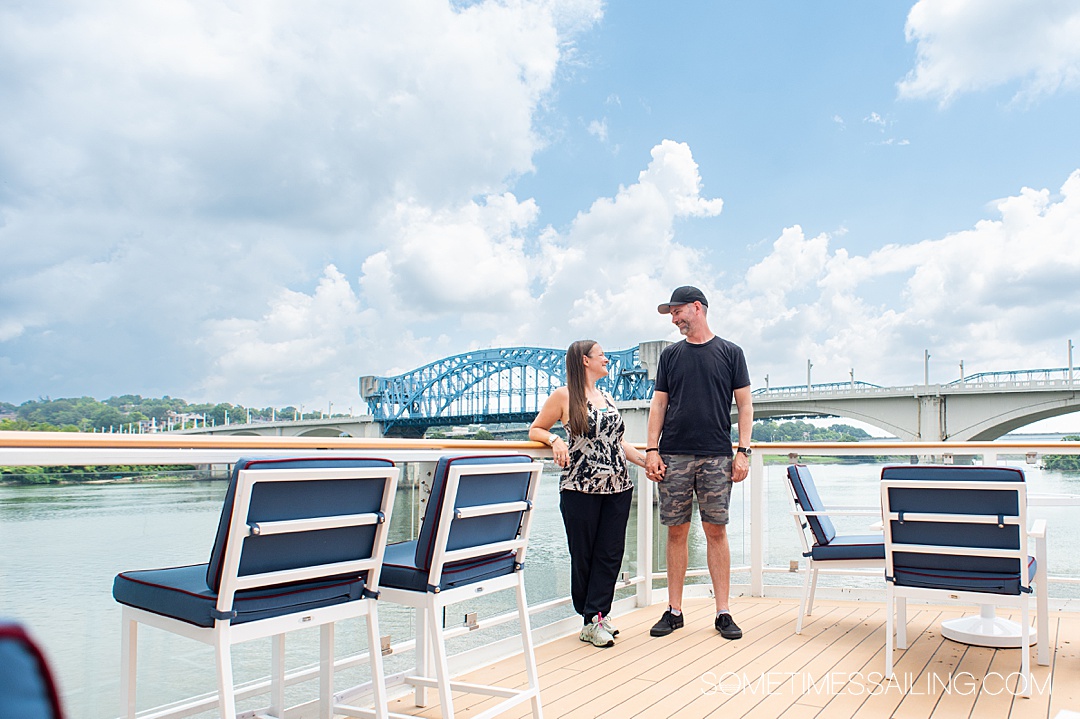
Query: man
point(689, 448)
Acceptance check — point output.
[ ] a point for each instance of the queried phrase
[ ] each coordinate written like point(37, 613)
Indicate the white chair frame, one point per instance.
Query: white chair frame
point(223, 634)
point(896, 596)
point(857, 567)
point(430, 643)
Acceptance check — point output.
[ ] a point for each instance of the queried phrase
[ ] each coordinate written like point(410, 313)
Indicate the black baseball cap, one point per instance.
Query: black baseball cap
point(683, 296)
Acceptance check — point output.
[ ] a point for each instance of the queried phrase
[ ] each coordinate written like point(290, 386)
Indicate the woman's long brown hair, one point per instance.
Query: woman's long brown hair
point(575, 383)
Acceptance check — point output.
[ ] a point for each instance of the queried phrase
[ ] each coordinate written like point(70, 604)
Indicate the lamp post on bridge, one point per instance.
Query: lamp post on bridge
point(926, 367)
point(1070, 363)
point(809, 364)
point(961, 371)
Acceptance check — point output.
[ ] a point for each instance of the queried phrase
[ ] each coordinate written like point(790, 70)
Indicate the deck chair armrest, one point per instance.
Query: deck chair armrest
point(1038, 530)
point(485, 510)
point(841, 511)
point(309, 525)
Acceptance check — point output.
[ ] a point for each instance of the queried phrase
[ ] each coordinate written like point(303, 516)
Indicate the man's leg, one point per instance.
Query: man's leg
point(718, 555)
point(676, 500)
point(676, 563)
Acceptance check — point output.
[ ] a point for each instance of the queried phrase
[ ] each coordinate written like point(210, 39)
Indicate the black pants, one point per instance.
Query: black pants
point(596, 535)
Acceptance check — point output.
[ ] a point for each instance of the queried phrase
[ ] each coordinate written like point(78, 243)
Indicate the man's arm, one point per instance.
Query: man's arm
point(740, 466)
point(654, 466)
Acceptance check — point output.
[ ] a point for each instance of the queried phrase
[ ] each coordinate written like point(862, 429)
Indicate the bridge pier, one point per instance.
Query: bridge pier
point(635, 415)
point(930, 421)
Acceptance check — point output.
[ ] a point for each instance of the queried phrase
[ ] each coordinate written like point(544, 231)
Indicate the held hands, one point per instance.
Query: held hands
point(740, 467)
point(654, 466)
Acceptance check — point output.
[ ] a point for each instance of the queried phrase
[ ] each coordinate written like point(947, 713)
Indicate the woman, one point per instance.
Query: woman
point(595, 489)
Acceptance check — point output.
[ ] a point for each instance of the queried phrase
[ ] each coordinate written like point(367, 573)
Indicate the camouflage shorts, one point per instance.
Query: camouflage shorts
point(686, 475)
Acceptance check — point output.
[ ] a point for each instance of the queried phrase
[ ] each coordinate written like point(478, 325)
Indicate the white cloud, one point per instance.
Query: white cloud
point(997, 296)
point(474, 272)
point(168, 167)
point(598, 129)
point(969, 45)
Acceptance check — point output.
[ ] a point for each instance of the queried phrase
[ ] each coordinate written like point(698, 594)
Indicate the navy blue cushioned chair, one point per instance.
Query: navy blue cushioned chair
point(27, 689)
point(960, 534)
point(299, 544)
point(472, 543)
point(822, 547)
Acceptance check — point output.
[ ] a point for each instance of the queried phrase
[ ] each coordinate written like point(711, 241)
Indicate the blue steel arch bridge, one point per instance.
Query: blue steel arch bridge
point(499, 385)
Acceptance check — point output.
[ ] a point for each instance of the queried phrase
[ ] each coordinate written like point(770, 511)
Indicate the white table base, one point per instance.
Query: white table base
point(985, 630)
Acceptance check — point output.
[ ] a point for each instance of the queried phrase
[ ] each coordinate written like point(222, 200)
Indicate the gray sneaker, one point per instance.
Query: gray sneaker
point(595, 634)
point(607, 624)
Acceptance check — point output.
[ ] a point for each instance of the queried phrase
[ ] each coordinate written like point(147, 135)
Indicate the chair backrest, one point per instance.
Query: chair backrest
point(332, 512)
point(955, 528)
point(806, 497)
point(27, 689)
point(476, 482)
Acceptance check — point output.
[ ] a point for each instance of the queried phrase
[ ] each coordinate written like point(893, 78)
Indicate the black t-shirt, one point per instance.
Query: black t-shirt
point(700, 381)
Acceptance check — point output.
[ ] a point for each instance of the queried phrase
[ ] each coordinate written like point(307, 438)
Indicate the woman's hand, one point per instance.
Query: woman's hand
point(560, 451)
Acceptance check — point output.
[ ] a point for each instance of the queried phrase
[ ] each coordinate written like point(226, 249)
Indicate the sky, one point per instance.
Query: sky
point(257, 201)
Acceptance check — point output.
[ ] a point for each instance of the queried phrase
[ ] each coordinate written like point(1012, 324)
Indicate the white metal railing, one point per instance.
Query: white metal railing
point(58, 449)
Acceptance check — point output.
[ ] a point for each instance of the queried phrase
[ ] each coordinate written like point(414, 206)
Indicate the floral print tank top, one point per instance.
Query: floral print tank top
point(597, 462)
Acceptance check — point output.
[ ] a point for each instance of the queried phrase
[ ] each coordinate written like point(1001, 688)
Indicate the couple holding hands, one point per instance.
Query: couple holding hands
point(688, 453)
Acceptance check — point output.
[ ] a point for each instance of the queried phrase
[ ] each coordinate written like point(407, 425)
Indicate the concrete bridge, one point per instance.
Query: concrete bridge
point(981, 408)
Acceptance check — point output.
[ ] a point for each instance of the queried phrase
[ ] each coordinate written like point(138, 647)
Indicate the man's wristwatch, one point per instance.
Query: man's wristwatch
point(745, 450)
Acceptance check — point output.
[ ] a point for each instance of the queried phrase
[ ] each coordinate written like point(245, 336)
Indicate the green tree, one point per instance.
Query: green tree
point(1064, 462)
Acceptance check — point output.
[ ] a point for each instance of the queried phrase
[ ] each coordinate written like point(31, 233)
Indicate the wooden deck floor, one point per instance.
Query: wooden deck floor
point(832, 670)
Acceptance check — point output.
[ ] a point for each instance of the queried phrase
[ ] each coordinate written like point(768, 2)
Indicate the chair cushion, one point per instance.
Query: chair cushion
point(963, 580)
point(399, 569)
point(27, 690)
point(851, 546)
point(181, 593)
point(806, 495)
point(294, 500)
point(472, 491)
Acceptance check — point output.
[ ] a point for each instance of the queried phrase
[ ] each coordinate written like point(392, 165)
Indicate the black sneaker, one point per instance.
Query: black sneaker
point(667, 624)
point(727, 627)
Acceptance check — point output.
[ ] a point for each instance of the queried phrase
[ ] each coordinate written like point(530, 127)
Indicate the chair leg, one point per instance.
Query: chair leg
point(129, 646)
point(423, 654)
point(442, 668)
point(226, 690)
point(804, 602)
point(277, 676)
point(901, 622)
point(889, 621)
point(1042, 618)
point(813, 591)
point(326, 671)
point(531, 670)
point(1025, 651)
point(378, 676)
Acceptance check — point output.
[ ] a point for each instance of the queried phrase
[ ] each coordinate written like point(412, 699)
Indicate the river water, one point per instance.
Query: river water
point(61, 546)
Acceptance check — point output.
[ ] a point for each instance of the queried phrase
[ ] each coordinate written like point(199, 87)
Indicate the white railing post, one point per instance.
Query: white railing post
point(645, 540)
point(757, 525)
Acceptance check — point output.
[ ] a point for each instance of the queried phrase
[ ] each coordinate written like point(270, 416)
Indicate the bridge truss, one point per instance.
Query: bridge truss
point(500, 385)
